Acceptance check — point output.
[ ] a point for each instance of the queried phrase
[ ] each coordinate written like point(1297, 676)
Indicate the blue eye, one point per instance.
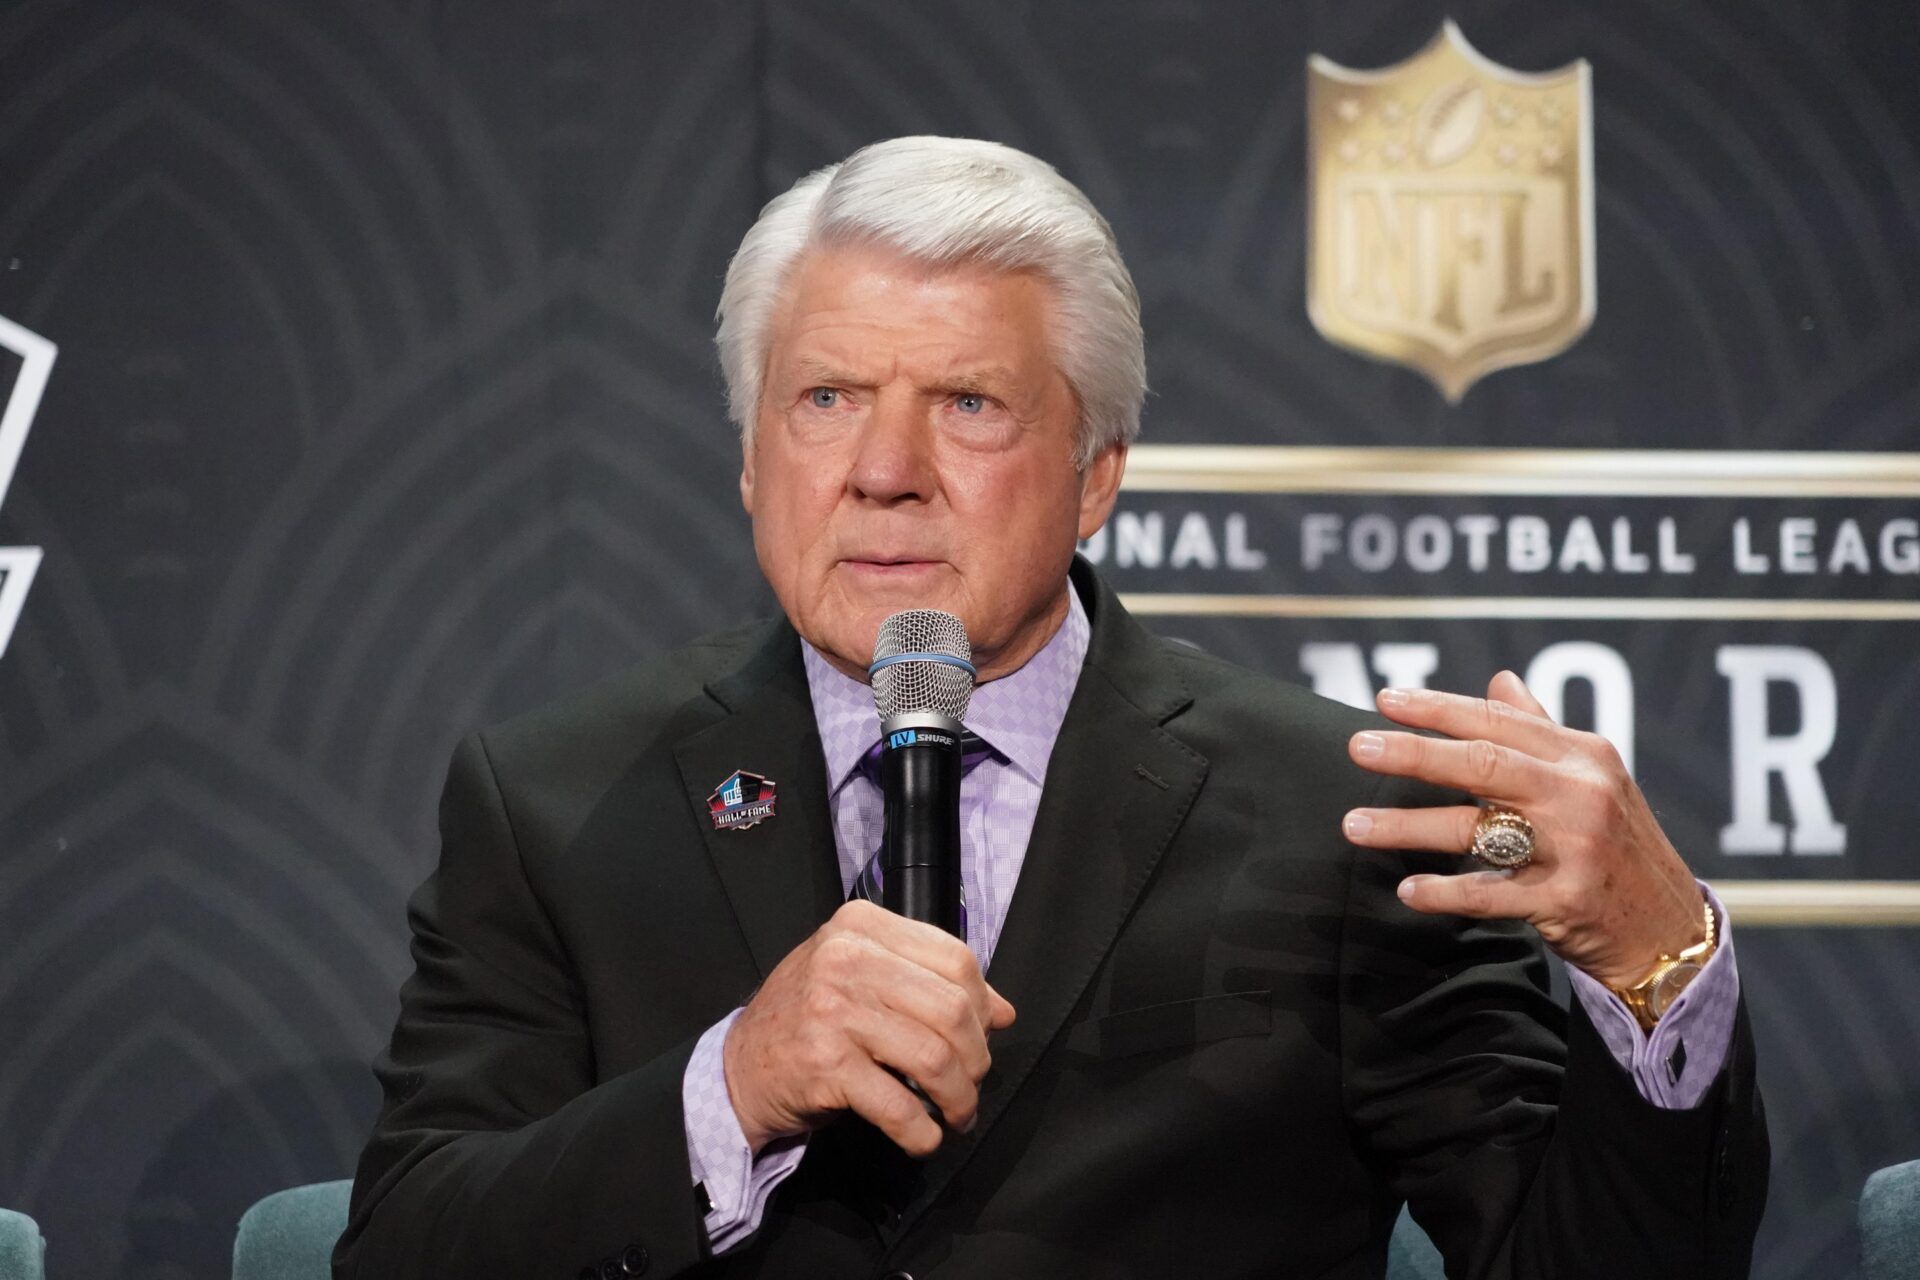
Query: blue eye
point(823, 397)
point(970, 403)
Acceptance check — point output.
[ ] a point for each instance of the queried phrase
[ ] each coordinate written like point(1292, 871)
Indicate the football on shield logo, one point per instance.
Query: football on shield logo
point(743, 800)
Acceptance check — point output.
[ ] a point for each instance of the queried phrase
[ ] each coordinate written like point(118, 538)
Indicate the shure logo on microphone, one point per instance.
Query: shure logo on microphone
point(918, 737)
point(19, 564)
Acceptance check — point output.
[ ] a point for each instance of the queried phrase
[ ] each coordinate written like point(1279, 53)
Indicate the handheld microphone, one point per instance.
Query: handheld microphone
point(922, 676)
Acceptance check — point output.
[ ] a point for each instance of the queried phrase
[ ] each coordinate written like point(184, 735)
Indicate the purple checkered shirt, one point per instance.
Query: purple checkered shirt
point(1020, 716)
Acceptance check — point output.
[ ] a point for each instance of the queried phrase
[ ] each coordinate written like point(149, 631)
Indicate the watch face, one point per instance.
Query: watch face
point(1671, 984)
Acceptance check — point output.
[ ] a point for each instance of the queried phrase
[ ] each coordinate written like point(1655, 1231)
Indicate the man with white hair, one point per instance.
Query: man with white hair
point(1228, 996)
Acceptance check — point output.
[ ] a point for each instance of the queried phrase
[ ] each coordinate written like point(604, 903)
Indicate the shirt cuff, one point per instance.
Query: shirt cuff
point(737, 1183)
point(1675, 1064)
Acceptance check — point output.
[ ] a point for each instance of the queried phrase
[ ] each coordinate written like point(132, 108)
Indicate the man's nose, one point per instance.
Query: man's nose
point(895, 459)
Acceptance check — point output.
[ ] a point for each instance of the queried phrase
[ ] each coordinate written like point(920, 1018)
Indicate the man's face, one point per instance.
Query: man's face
point(914, 449)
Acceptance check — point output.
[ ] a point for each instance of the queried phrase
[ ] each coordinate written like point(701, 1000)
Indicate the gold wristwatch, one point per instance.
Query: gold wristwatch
point(1654, 994)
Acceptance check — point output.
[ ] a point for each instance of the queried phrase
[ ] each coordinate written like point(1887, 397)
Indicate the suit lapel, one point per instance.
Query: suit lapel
point(1118, 788)
point(781, 876)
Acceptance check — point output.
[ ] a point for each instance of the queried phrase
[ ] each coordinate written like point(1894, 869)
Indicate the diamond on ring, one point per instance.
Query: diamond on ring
point(1502, 838)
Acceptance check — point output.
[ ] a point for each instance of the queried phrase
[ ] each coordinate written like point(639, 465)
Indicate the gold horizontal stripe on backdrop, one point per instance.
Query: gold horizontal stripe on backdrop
point(1787, 903)
point(1689, 473)
point(1631, 608)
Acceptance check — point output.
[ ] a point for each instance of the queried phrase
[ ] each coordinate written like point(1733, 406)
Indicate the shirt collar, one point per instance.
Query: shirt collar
point(1019, 715)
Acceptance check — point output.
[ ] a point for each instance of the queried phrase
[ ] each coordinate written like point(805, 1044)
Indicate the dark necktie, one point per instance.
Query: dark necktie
point(866, 885)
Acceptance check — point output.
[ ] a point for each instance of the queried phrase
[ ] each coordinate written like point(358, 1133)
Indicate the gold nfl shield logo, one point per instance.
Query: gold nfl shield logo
point(1451, 225)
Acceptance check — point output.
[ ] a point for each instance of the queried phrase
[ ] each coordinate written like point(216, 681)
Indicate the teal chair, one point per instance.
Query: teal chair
point(22, 1251)
point(290, 1235)
point(1890, 1224)
point(1410, 1255)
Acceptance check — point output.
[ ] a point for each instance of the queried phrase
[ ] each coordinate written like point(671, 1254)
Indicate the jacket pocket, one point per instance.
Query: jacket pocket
point(1173, 1025)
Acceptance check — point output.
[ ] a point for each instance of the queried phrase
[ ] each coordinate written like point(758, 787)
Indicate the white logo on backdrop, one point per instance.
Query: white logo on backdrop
point(19, 564)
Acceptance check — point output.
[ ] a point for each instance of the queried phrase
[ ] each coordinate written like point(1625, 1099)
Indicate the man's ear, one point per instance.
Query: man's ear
point(1099, 486)
point(746, 476)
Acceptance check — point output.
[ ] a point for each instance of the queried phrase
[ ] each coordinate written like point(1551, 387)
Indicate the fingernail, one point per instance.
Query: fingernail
point(1393, 697)
point(1358, 824)
point(1406, 889)
point(1369, 746)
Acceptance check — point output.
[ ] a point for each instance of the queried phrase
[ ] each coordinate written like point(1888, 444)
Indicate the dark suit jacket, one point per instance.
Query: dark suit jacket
point(1236, 1052)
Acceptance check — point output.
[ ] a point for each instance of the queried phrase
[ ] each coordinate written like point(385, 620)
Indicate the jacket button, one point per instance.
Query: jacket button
point(634, 1260)
point(898, 1275)
point(611, 1270)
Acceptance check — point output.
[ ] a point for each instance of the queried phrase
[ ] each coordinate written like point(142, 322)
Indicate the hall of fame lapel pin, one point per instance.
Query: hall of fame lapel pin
point(743, 800)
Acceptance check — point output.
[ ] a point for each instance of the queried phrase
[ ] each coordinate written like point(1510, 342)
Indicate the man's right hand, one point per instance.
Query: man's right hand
point(869, 987)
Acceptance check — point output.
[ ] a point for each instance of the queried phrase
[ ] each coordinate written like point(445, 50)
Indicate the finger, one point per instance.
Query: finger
point(1458, 716)
point(1446, 830)
point(865, 975)
point(923, 1056)
point(1001, 1014)
point(1512, 690)
point(1489, 770)
point(941, 1006)
point(1483, 895)
point(926, 945)
point(891, 1108)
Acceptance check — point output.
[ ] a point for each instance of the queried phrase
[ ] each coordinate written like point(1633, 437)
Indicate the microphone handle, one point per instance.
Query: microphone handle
point(920, 848)
point(920, 770)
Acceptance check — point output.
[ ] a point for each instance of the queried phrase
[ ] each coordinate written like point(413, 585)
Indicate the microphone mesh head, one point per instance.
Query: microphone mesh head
point(922, 685)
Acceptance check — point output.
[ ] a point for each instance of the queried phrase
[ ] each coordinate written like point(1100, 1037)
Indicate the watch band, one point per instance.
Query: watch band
point(1639, 997)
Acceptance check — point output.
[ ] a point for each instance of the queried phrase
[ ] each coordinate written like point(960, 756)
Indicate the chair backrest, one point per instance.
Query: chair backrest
point(22, 1251)
point(290, 1234)
point(1890, 1224)
point(1410, 1255)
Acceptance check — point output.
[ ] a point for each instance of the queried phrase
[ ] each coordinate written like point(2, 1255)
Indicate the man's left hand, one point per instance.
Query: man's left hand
point(1605, 888)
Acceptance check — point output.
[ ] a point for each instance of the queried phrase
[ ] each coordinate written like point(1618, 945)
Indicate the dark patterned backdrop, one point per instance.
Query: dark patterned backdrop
point(384, 407)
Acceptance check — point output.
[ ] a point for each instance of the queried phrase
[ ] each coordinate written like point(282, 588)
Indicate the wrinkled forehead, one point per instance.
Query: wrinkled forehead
point(840, 302)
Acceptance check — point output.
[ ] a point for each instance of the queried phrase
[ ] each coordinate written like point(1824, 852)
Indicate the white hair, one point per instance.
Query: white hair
point(945, 202)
